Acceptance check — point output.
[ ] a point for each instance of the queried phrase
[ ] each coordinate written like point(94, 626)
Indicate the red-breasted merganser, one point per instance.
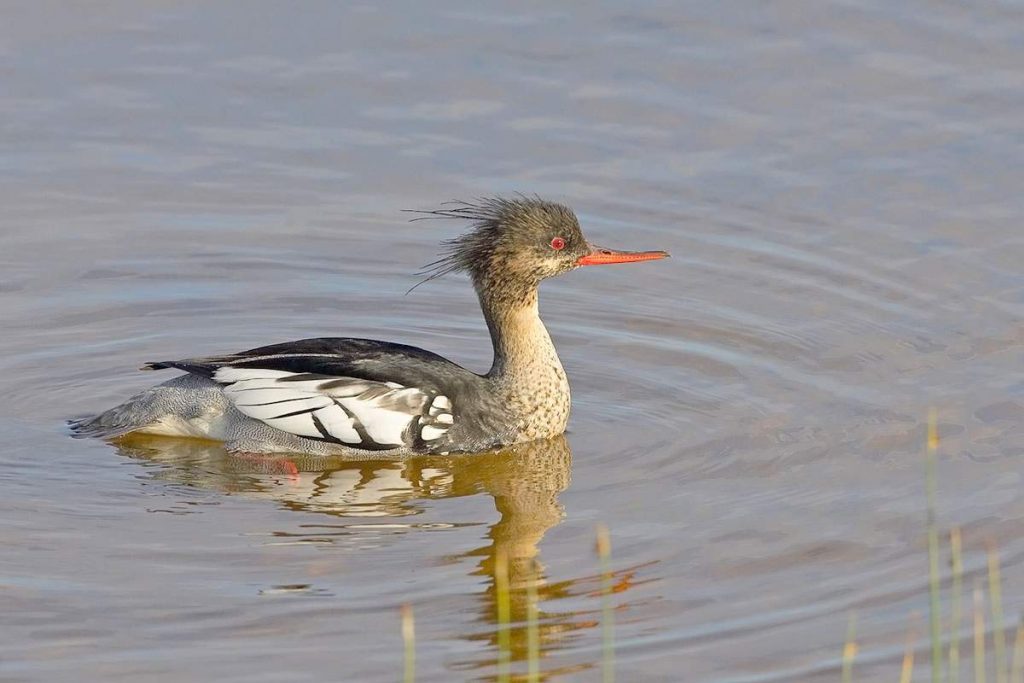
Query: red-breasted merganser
point(360, 397)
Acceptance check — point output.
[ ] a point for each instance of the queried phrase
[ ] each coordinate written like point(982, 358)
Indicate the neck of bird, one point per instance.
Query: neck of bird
point(524, 356)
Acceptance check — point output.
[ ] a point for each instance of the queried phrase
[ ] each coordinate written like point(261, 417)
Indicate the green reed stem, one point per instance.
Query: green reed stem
point(996, 604)
point(409, 639)
point(934, 613)
point(850, 648)
point(604, 554)
point(954, 620)
point(503, 599)
point(532, 632)
point(979, 633)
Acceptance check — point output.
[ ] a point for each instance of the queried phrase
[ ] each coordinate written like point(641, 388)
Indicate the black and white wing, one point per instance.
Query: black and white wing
point(360, 413)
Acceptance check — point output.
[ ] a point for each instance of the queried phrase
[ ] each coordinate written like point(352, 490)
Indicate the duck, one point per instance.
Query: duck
point(364, 398)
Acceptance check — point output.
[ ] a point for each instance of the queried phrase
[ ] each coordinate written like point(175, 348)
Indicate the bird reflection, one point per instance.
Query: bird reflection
point(524, 481)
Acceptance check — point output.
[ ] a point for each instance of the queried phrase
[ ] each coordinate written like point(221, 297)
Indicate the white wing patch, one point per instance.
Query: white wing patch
point(357, 412)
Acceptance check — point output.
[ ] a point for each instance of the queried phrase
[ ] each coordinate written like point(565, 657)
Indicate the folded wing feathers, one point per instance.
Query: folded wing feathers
point(439, 417)
point(360, 413)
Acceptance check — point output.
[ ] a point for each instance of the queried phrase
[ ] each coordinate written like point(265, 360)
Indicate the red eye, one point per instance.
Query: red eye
point(558, 243)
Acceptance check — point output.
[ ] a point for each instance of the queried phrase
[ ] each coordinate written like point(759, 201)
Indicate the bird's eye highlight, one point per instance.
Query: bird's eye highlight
point(558, 243)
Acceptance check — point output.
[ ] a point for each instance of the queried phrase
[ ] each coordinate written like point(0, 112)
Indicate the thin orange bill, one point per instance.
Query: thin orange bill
point(600, 256)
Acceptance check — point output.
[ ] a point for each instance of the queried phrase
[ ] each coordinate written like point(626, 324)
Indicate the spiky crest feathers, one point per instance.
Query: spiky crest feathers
point(509, 241)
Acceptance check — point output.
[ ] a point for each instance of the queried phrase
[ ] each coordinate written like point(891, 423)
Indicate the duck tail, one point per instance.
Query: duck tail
point(98, 427)
point(135, 413)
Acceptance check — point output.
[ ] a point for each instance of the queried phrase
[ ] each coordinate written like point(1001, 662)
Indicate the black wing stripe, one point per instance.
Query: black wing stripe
point(305, 377)
point(239, 389)
point(327, 436)
point(270, 403)
point(297, 412)
point(357, 425)
point(367, 442)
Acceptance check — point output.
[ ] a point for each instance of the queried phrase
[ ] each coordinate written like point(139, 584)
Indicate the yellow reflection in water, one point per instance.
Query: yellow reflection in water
point(524, 481)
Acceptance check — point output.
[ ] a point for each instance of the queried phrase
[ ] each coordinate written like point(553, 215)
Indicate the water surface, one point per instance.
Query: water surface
point(839, 184)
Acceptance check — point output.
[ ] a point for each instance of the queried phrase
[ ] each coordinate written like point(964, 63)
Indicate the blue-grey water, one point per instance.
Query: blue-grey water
point(839, 184)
